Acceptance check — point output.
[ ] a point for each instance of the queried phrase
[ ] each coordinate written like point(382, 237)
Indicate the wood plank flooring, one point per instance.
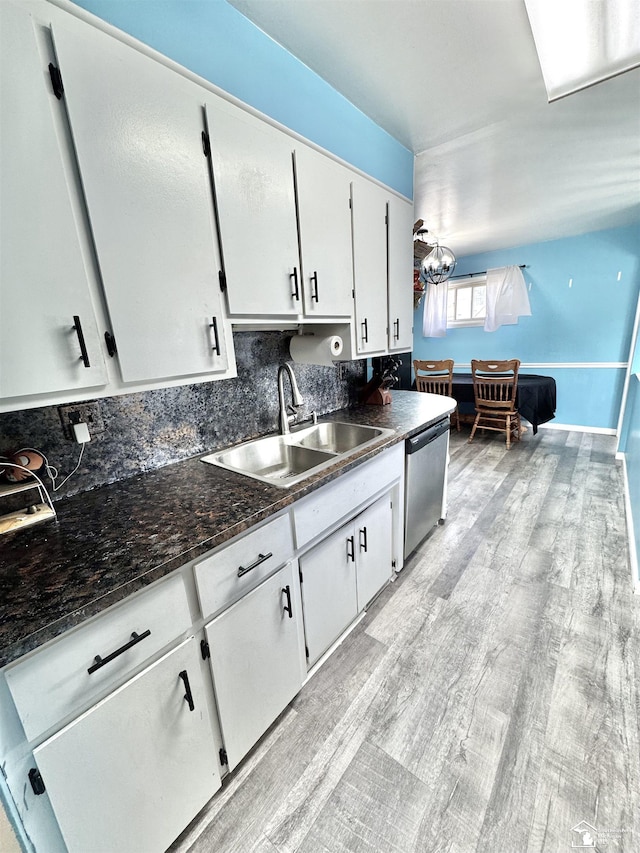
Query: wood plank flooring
point(489, 702)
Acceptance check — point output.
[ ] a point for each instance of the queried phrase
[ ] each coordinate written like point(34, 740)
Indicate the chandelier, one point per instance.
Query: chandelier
point(437, 262)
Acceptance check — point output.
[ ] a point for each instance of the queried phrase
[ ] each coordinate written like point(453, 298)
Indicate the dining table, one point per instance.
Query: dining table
point(535, 397)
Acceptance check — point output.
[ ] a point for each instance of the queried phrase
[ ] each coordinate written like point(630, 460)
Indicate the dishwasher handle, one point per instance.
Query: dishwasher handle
point(417, 442)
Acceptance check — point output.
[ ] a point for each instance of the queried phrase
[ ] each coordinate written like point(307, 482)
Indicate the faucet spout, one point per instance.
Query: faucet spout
point(296, 398)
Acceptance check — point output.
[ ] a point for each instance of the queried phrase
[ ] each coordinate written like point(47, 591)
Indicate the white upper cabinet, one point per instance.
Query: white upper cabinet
point(253, 177)
point(43, 279)
point(137, 132)
point(324, 219)
point(370, 265)
point(400, 285)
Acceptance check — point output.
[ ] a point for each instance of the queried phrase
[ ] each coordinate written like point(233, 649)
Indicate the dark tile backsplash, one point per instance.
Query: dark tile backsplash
point(147, 430)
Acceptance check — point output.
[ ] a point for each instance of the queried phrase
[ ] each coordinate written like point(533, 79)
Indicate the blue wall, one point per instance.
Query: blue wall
point(212, 39)
point(591, 321)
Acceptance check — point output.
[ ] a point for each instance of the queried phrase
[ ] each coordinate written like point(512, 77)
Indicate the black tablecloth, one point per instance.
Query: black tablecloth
point(535, 398)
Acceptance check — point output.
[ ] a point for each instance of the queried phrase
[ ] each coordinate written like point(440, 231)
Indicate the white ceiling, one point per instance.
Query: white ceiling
point(458, 82)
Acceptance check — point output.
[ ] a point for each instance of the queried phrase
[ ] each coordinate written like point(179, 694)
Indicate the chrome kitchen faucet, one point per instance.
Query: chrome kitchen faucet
point(287, 412)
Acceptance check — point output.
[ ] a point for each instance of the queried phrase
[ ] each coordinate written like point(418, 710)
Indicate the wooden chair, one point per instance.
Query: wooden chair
point(435, 377)
point(494, 388)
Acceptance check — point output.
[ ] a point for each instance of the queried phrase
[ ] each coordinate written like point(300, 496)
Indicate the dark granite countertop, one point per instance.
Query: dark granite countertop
point(107, 543)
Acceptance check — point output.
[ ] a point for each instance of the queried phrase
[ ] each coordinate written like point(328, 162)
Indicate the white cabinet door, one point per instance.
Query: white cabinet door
point(374, 549)
point(370, 265)
point(137, 130)
point(131, 772)
point(253, 177)
point(400, 283)
point(329, 594)
point(324, 218)
point(343, 573)
point(43, 281)
point(257, 660)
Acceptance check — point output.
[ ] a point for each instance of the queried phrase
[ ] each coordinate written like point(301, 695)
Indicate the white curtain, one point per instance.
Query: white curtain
point(507, 298)
point(434, 323)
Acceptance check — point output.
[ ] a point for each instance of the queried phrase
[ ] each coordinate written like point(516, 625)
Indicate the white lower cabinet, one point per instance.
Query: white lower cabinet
point(343, 573)
point(131, 772)
point(257, 660)
point(329, 594)
point(373, 531)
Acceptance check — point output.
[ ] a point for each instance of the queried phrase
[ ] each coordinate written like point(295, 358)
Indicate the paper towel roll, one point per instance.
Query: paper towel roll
point(314, 349)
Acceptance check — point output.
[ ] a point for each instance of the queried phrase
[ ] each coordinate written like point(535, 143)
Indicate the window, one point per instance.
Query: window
point(467, 301)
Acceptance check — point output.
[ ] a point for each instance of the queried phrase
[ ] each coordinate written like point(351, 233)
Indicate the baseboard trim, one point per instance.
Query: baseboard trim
point(577, 428)
point(633, 553)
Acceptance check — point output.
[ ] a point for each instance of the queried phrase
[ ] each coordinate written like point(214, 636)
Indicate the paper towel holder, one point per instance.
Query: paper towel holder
point(321, 348)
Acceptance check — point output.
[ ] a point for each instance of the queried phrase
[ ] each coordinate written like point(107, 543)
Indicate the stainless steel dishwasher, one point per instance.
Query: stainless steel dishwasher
point(425, 482)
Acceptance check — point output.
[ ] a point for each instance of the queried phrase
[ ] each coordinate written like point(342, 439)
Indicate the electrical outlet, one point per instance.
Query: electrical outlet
point(80, 413)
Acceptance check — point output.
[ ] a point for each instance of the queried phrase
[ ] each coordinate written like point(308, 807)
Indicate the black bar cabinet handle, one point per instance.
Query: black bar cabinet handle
point(188, 696)
point(365, 332)
point(216, 339)
point(135, 638)
point(287, 608)
point(294, 276)
point(396, 329)
point(351, 551)
point(242, 570)
point(77, 325)
point(314, 290)
point(363, 539)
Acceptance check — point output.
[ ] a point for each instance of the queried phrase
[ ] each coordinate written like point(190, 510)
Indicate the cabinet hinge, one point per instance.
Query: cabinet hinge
point(37, 782)
point(205, 651)
point(206, 144)
point(222, 278)
point(111, 344)
point(223, 756)
point(56, 81)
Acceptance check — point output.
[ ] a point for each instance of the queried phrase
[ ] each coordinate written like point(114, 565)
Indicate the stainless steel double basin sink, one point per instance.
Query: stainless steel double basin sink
point(284, 460)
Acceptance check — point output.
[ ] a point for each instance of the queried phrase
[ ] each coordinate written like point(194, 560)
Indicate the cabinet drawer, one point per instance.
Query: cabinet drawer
point(56, 680)
point(337, 500)
point(227, 575)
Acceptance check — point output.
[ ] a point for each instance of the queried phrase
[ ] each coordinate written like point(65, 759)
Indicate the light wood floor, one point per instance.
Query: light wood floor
point(490, 700)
